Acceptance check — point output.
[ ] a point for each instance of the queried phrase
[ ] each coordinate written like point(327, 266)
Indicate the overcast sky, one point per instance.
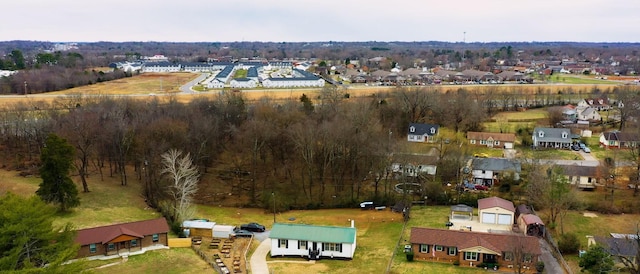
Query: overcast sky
point(324, 20)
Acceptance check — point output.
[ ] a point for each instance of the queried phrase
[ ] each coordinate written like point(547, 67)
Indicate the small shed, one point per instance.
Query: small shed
point(531, 225)
point(198, 228)
point(461, 212)
point(223, 231)
point(523, 209)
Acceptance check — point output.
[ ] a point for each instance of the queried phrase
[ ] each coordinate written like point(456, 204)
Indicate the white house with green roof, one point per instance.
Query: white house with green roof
point(313, 241)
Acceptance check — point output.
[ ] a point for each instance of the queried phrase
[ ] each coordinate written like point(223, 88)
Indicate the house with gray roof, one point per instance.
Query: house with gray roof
point(312, 241)
point(584, 177)
point(551, 138)
point(619, 139)
point(422, 133)
point(623, 247)
point(487, 171)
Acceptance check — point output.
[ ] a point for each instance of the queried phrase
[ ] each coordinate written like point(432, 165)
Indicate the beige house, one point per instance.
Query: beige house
point(583, 177)
point(495, 210)
point(491, 139)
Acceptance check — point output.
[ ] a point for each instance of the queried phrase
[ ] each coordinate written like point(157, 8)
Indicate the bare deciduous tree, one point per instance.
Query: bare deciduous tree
point(183, 183)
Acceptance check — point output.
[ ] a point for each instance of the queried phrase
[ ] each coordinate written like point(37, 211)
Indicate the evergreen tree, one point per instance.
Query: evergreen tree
point(596, 260)
point(27, 237)
point(57, 187)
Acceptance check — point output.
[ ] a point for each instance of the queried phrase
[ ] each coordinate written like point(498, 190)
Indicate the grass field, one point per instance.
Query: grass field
point(576, 79)
point(377, 231)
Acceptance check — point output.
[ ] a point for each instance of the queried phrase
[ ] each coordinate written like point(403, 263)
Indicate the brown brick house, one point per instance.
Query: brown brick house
point(472, 248)
point(123, 238)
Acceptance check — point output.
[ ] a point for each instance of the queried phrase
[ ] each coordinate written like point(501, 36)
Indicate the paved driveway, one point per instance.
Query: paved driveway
point(551, 265)
point(258, 260)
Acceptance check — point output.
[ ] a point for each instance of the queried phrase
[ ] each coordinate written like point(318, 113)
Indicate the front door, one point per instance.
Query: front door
point(489, 258)
point(313, 253)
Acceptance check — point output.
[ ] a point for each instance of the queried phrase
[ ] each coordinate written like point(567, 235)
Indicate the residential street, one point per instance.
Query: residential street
point(186, 88)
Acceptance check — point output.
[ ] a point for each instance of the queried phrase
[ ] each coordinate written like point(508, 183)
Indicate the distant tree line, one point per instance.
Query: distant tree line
point(30, 55)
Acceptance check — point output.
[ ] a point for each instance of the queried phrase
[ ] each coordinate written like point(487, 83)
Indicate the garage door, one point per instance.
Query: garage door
point(504, 219)
point(488, 218)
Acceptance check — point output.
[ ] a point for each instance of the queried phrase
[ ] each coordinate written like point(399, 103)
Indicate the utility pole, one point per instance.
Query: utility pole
point(273, 197)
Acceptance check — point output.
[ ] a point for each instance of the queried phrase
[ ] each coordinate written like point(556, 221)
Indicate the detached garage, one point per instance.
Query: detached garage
point(494, 210)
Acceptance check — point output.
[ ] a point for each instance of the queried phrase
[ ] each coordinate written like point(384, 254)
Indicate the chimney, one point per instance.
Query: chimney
point(353, 224)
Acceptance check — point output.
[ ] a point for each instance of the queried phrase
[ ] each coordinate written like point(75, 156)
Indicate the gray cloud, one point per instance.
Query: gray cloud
point(337, 20)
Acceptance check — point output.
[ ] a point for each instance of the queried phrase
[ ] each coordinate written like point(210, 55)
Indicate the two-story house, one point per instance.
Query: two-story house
point(422, 133)
point(544, 137)
point(487, 171)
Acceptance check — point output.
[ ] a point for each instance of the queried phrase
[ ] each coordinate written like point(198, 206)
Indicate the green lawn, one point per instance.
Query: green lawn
point(536, 113)
point(175, 260)
point(507, 127)
point(576, 80)
point(560, 154)
point(108, 203)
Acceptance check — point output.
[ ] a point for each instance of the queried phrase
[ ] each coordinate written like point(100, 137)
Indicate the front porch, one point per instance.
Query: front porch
point(556, 145)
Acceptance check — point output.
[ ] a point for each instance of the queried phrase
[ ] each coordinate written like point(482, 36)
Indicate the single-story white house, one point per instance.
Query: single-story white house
point(313, 241)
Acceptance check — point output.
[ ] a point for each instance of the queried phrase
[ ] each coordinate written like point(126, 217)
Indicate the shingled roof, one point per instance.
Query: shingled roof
point(104, 234)
point(495, 202)
point(497, 243)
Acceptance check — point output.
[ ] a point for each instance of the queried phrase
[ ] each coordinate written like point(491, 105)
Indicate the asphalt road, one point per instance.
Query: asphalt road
point(186, 88)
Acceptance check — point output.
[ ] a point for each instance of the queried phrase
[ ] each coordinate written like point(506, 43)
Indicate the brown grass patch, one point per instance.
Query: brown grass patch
point(10, 181)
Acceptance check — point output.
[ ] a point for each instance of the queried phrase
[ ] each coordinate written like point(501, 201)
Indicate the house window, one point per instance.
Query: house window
point(134, 243)
point(527, 258)
point(564, 135)
point(92, 248)
point(471, 256)
point(412, 129)
point(302, 244)
point(282, 243)
point(111, 247)
point(439, 248)
point(433, 130)
point(482, 142)
point(508, 256)
point(611, 143)
point(473, 142)
point(332, 247)
point(452, 251)
point(540, 134)
point(497, 143)
point(155, 238)
point(424, 248)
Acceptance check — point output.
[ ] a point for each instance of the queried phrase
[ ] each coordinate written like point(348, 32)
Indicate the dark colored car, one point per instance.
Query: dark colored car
point(253, 227)
point(242, 233)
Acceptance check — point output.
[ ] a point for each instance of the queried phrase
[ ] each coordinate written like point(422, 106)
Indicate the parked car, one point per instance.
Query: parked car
point(367, 205)
point(242, 233)
point(582, 145)
point(481, 187)
point(575, 147)
point(253, 227)
point(586, 150)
